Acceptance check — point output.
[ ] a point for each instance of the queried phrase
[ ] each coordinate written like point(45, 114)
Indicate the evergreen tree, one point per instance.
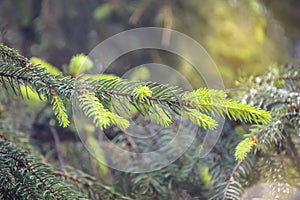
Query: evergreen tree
point(267, 153)
point(25, 174)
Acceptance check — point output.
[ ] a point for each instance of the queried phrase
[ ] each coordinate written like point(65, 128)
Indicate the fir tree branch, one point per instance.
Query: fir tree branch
point(10, 55)
point(104, 191)
point(82, 182)
point(37, 177)
point(270, 134)
point(59, 110)
point(144, 96)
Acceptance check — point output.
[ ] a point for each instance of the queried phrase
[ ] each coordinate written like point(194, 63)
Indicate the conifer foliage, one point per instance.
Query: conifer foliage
point(267, 153)
point(25, 175)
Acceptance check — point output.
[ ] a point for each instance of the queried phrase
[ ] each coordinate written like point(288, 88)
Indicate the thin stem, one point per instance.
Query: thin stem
point(57, 145)
point(231, 179)
point(138, 12)
point(168, 23)
point(131, 141)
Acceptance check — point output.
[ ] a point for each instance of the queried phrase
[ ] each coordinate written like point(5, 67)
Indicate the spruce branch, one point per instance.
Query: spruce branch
point(59, 110)
point(276, 91)
point(89, 183)
point(11, 56)
point(271, 134)
point(35, 179)
point(215, 102)
point(161, 116)
point(244, 147)
point(95, 110)
point(147, 98)
point(200, 119)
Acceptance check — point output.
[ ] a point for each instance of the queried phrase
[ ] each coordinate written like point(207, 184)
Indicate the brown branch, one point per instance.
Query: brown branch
point(131, 141)
point(138, 12)
point(168, 23)
point(231, 179)
point(57, 145)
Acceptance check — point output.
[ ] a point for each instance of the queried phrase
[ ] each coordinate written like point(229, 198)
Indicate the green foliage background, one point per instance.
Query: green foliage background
point(244, 38)
point(240, 36)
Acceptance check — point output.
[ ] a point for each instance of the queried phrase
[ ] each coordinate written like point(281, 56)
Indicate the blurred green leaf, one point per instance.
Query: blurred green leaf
point(96, 150)
point(102, 11)
point(80, 63)
point(49, 68)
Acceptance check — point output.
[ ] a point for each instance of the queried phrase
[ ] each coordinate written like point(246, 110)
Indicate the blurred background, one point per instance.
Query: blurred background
point(242, 37)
